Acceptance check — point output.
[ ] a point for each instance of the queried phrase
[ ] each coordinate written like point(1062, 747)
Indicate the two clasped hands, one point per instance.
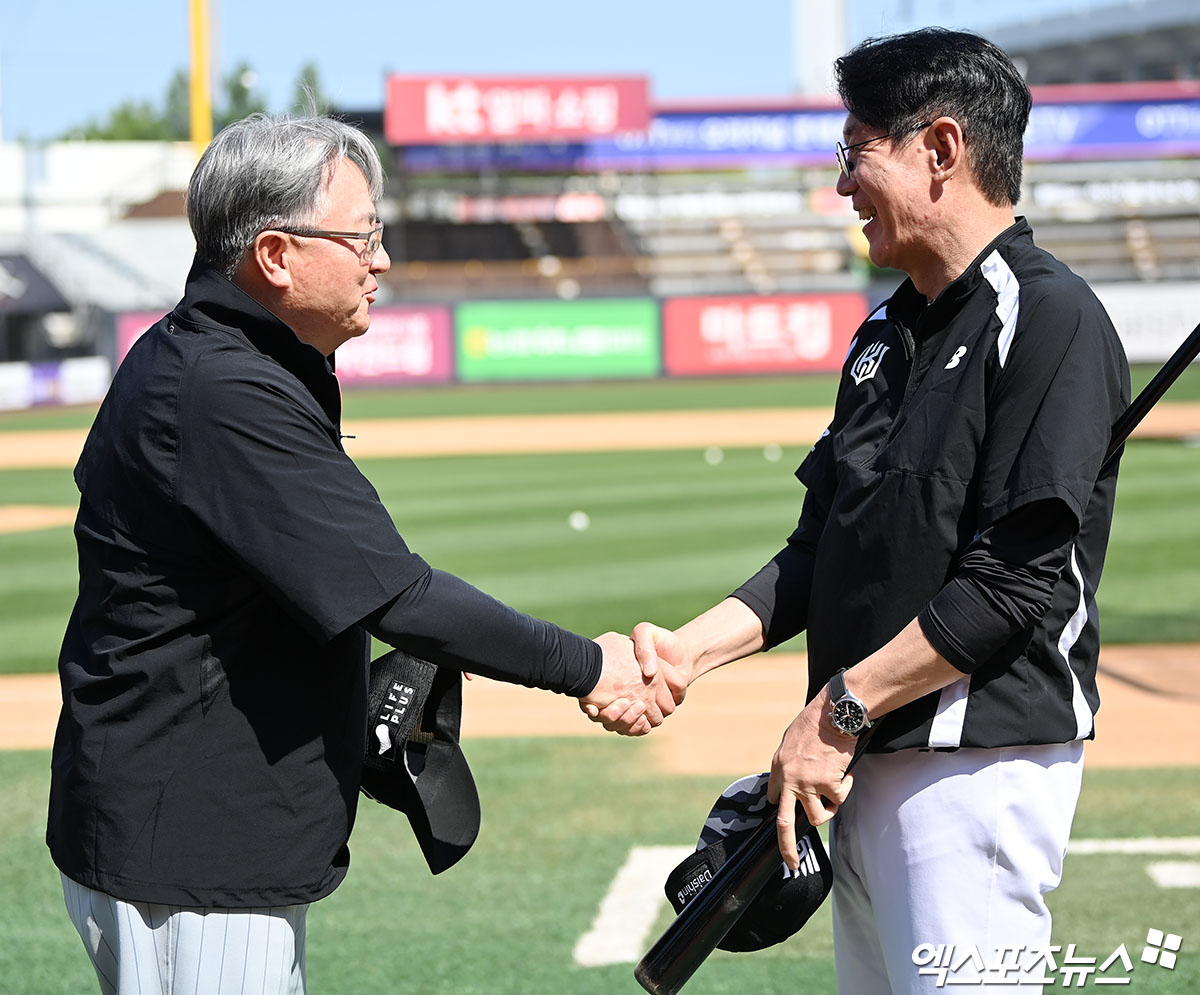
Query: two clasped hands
point(646, 676)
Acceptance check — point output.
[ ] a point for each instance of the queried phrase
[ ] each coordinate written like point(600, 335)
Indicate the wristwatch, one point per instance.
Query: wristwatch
point(848, 713)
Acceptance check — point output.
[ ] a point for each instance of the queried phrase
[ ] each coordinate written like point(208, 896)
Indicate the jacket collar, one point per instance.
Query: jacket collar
point(909, 304)
point(211, 301)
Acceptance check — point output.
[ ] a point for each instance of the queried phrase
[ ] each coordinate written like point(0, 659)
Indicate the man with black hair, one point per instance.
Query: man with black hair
point(951, 539)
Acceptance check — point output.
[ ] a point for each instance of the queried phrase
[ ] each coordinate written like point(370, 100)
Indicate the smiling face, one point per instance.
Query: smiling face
point(889, 185)
point(333, 283)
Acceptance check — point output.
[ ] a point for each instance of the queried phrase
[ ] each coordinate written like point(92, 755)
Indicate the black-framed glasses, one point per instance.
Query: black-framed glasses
point(847, 164)
point(373, 238)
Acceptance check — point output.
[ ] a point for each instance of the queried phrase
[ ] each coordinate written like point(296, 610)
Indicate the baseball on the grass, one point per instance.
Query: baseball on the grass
point(713, 455)
point(579, 520)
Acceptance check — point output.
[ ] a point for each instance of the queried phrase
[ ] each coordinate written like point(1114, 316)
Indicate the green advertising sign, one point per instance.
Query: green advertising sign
point(557, 340)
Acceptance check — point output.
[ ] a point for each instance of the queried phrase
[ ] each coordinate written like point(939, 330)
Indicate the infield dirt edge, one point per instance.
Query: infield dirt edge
point(733, 719)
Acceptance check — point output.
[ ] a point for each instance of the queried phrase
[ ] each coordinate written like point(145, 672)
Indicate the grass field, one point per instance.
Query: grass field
point(559, 819)
point(642, 395)
point(669, 534)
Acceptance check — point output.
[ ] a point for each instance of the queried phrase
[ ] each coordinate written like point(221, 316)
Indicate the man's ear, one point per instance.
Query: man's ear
point(946, 142)
point(270, 258)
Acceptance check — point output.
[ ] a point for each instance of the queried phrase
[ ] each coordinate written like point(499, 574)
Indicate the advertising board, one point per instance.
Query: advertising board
point(403, 345)
point(421, 109)
point(777, 334)
point(558, 340)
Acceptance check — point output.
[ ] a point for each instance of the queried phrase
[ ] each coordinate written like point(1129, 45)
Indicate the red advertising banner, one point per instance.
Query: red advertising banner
point(428, 110)
point(129, 327)
point(780, 334)
point(403, 344)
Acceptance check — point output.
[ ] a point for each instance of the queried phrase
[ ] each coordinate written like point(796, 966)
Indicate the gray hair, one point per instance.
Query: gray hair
point(268, 170)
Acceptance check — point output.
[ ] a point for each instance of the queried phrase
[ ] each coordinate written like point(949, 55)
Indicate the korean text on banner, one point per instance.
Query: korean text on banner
point(778, 334)
point(431, 110)
point(558, 340)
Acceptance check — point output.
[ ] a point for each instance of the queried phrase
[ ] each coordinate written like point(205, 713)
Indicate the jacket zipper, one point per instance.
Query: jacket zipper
point(912, 354)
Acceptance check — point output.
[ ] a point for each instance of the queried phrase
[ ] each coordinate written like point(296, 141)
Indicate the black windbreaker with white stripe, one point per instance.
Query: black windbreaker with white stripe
point(959, 483)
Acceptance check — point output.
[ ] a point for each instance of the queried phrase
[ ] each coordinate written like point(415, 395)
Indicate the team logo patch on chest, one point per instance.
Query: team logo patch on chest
point(868, 361)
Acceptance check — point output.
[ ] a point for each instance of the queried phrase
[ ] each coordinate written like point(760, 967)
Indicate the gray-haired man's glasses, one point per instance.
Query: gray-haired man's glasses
point(847, 164)
point(374, 237)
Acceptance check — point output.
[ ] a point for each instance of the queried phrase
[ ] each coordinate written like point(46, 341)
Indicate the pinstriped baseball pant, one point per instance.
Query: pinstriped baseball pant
point(140, 948)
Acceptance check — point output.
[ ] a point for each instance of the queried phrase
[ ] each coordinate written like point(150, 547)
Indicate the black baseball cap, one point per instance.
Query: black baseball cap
point(413, 760)
point(787, 901)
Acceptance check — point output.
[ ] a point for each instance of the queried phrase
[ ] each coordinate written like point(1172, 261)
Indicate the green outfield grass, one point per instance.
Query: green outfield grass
point(639, 395)
point(559, 819)
point(669, 534)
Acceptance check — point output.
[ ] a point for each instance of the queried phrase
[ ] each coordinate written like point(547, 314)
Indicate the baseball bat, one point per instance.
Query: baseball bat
point(1150, 394)
point(704, 921)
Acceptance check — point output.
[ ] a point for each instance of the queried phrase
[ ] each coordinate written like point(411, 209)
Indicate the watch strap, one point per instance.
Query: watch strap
point(839, 691)
point(837, 685)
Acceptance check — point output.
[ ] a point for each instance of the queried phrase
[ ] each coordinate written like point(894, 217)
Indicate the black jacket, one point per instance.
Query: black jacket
point(958, 484)
point(232, 562)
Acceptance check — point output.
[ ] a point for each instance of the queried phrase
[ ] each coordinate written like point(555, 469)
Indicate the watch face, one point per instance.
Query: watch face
point(849, 716)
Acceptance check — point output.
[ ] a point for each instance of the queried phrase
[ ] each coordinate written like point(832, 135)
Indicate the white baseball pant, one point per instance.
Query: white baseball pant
point(957, 849)
point(140, 948)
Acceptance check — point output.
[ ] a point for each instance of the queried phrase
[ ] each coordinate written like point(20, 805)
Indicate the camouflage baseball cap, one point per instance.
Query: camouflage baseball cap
point(787, 901)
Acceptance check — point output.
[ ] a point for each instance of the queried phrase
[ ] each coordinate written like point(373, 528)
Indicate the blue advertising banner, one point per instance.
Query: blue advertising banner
point(1141, 121)
point(1143, 129)
point(675, 140)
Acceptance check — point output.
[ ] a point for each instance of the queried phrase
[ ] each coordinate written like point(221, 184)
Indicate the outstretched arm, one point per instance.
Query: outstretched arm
point(452, 624)
point(769, 608)
point(726, 632)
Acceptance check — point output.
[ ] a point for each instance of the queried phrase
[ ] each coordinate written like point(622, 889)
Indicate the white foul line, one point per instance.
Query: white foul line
point(1164, 873)
point(1175, 873)
point(627, 913)
point(621, 929)
point(1150, 845)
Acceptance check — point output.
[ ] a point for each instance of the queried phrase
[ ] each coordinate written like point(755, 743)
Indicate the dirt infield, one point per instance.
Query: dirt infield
point(30, 517)
point(470, 435)
point(733, 719)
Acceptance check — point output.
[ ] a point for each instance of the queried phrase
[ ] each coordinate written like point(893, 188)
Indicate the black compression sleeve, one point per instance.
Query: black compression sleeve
point(1003, 584)
point(445, 620)
point(778, 594)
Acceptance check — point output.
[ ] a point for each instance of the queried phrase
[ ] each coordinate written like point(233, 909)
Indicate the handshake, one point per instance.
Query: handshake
point(644, 677)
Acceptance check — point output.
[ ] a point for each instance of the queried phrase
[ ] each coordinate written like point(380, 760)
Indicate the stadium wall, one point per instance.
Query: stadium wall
point(530, 341)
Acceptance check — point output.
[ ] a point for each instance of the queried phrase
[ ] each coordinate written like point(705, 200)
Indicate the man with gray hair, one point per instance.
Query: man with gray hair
point(233, 566)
